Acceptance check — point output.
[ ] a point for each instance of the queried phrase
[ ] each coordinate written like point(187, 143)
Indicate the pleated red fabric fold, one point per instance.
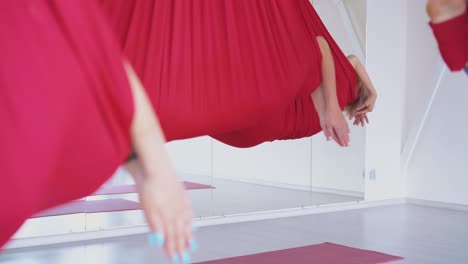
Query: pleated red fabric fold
point(65, 106)
point(299, 120)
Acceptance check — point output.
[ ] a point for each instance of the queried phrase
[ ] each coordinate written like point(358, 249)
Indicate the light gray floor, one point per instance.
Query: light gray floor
point(229, 197)
point(420, 234)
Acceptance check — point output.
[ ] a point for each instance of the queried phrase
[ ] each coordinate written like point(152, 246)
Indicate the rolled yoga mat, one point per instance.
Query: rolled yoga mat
point(326, 253)
point(131, 188)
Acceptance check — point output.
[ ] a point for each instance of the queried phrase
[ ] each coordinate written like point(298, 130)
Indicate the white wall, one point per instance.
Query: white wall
point(438, 168)
point(339, 168)
point(330, 15)
point(283, 162)
point(191, 156)
point(357, 13)
point(386, 64)
point(423, 66)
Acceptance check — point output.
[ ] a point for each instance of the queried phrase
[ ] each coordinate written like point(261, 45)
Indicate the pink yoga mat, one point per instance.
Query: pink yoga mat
point(100, 206)
point(326, 253)
point(130, 188)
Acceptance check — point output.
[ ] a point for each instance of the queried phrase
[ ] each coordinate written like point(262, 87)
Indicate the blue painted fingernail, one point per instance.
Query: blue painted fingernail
point(151, 239)
point(194, 227)
point(185, 258)
point(175, 258)
point(156, 239)
point(160, 239)
point(193, 245)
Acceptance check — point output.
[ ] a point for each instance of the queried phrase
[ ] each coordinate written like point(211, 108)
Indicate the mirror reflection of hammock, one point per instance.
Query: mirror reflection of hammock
point(242, 73)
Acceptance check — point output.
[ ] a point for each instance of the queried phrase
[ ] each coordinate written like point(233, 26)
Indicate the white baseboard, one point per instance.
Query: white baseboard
point(298, 187)
point(300, 211)
point(219, 220)
point(355, 194)
point(437, 204)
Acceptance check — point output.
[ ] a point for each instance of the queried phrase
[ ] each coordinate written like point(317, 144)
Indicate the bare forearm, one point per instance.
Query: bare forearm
point(442, 10)
point(147, 136)
point(330, 97)
point(319, 101)
point(362, 73)
point(328, 85)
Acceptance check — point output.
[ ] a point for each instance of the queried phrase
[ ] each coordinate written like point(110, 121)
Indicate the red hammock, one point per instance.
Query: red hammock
point(229, 69)
point(452, 38)
point(65, 106)
point(221, 68)
point(300, 118)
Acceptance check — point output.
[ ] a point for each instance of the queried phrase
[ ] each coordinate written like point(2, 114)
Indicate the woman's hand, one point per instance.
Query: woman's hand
point(335, 127)
point(360, 120)
point(167, 211)
point(366, 106)
point(369, 92)
point(169, 216)
point(325, 99)
point(162, 195)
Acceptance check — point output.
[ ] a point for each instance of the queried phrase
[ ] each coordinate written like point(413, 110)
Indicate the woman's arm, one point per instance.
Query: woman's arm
point(362, 72)
point(328, 76)
point(147, 137)
point(371, 94)
point(440, 11)
point(162, 195)
point(325, 99)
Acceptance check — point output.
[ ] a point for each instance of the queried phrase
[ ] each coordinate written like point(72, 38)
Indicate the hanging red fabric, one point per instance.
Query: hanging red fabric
point(213, 67)
point(300, 119)
point(65, 106)
point(210, 68)
point(229, 69)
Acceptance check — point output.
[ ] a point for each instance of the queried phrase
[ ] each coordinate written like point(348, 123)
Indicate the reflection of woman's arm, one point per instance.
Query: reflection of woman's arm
point(442, 10)
point(325, 100)
point(162, 195)
point(368, 94)
point(362, 73)
point(319, 101)
point(328, 85)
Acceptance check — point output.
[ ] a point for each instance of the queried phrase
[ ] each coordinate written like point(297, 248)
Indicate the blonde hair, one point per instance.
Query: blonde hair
point(364, 94)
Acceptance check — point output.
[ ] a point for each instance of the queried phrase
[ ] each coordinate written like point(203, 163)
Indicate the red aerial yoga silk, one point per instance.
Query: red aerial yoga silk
point(65, 106)
point(241, 71)
point(212, 67)
point(300, 119)
point(452, 38)
point(209, 67)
